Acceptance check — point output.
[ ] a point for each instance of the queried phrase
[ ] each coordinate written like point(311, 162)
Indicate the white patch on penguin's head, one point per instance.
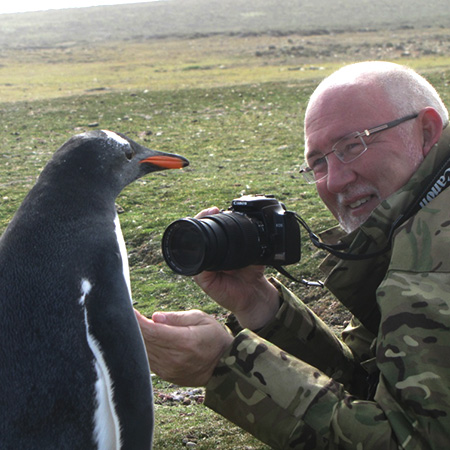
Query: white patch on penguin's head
point(115, 137)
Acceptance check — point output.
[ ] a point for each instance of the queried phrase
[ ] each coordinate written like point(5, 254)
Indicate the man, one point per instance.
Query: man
point(377, 152)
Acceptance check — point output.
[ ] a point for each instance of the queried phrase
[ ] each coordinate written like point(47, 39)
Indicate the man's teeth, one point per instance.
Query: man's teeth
point(359, 202)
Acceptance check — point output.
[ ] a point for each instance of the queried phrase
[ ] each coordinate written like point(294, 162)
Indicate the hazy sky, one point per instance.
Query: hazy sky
point(7, 6)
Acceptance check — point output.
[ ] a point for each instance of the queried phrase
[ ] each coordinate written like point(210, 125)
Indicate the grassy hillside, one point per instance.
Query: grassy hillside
point(199, 17)
point(222, 82)
point(220, 60)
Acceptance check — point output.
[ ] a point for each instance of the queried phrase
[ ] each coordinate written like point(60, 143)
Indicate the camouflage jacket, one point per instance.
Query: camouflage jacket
point(295, 385)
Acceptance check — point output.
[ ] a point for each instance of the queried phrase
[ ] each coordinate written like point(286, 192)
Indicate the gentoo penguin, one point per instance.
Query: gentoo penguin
point(73, 368)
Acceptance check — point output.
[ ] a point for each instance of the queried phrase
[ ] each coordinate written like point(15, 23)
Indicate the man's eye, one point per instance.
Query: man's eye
point(353, 148)
point(319, 164)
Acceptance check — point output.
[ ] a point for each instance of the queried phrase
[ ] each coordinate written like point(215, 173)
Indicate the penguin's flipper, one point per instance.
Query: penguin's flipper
point(123, 389)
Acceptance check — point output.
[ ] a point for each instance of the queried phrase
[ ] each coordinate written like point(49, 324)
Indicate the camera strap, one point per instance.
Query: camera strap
point(284, 272)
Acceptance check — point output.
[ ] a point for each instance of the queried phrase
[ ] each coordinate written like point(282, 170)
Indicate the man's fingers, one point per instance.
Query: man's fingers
point(207, 212)
point(183, 347)
point(159, 333)
point(169, 327)
point(181, 318)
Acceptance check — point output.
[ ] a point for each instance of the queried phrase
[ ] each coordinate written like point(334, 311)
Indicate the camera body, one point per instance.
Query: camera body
point(255, 230)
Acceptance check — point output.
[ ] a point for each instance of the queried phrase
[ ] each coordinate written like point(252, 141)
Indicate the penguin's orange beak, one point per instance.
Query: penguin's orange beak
point(166, 162)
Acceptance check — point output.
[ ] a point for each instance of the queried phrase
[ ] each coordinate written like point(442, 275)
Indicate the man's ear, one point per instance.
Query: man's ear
point(432, 128)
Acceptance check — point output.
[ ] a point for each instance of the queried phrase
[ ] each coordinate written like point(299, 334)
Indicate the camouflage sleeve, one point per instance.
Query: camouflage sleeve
point(287, 403)
point(359, 339)
point(297, 330)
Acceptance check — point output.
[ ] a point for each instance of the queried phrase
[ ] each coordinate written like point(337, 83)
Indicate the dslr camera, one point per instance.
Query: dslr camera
point(256, 229)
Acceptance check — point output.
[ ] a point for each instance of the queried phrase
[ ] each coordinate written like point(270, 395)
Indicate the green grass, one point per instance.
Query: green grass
point(155, 65)
point(240, 127)
point(177, 425)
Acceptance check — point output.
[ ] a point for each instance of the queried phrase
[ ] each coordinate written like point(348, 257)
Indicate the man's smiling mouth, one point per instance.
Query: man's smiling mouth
point(359, 202)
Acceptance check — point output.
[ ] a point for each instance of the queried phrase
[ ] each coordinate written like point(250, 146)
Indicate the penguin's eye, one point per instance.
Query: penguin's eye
point(129, 153)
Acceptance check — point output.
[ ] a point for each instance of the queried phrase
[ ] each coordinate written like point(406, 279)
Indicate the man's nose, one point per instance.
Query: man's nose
point(339, 174)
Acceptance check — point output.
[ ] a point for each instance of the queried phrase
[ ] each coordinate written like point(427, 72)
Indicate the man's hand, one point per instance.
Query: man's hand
point(183, 347)
point(245, 292)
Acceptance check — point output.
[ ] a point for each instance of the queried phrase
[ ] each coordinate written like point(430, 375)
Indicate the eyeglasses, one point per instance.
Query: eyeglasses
point(347, 149)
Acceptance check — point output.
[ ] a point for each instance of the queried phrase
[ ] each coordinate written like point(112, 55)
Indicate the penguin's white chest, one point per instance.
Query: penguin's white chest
point(123, 254)
point(106, 431)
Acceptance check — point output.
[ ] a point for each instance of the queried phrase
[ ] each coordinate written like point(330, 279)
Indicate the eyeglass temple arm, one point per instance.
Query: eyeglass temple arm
point(391, 124)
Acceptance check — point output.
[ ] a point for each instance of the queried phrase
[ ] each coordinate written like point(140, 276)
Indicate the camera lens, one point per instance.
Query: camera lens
point(188, 244)
point(220, 242)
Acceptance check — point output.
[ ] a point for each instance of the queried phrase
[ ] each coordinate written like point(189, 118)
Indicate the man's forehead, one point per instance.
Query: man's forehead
point(349, 108)
point(347, 98)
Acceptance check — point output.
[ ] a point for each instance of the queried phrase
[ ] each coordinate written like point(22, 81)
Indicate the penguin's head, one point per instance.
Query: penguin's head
point(110, 159)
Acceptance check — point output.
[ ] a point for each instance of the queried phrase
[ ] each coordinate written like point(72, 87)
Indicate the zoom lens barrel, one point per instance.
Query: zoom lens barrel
point(223, 241)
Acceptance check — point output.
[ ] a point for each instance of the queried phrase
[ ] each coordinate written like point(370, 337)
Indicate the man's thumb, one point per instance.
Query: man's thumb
point(179, 318)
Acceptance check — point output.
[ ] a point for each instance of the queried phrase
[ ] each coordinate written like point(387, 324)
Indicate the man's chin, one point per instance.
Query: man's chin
point(349, 224)
point(353, 215)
